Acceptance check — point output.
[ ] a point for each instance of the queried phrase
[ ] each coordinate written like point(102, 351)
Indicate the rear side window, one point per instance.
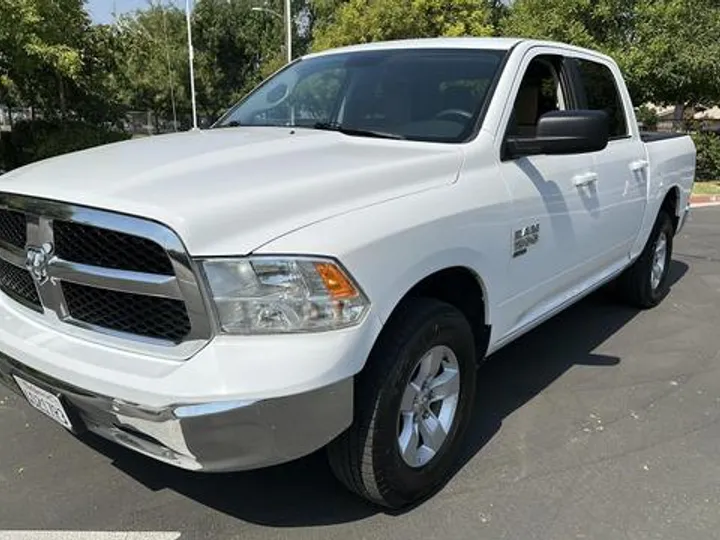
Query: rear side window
point(601, 93)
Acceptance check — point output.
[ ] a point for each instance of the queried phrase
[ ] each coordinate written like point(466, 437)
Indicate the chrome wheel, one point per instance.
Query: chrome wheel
point(428, 406)
point(658, 262)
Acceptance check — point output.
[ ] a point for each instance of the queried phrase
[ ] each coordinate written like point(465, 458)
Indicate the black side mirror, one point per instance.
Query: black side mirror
point(563, 132)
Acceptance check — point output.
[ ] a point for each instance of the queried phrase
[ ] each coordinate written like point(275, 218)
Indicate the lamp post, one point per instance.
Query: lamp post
point(288, 25)
point(191, 59)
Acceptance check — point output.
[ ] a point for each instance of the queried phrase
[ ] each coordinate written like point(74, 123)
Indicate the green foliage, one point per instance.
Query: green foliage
point(674, 55)
point(8, 159)
point(235, 48)
point(31, 141)
point(586, 23)
point(648, 117)
point(40, 34)
point(43, 50)
point(708, 156)
point(54, 60)
point(233, 45)
point(362, 21)
point(668, 49)
point(150, 52)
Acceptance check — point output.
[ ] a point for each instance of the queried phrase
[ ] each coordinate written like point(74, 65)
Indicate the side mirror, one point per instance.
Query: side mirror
point(563, 132)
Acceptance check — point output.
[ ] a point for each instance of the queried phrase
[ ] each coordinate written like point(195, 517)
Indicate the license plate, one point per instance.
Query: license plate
point(45, 402)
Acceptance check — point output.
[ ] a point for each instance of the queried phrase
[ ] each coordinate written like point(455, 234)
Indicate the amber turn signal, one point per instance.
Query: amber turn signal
point(336, 282)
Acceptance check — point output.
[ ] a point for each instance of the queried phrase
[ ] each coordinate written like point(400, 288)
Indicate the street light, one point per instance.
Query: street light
point(268, 10)
point(288, 25)
point(191, 59)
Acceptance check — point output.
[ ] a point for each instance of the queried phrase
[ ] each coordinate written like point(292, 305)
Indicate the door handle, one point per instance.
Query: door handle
point(582, 180)
point(639, 165)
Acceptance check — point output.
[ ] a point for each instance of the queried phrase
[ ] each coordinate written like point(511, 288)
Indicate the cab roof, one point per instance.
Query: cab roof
point(488, 43)
point(428, 43)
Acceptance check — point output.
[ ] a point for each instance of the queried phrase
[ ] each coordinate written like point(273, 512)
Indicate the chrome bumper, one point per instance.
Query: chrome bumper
point(212, 437)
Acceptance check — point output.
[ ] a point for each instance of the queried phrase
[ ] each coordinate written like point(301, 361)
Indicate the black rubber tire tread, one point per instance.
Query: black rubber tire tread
point(634, 283)
point(351, 455)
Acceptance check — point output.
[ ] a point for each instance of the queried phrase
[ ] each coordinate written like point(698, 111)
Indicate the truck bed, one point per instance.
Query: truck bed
point(671, 157)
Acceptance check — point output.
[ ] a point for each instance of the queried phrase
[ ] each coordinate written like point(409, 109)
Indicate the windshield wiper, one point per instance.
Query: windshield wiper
point(336, 126)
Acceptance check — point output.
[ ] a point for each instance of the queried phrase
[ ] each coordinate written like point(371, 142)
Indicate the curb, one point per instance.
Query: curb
point(699, 201)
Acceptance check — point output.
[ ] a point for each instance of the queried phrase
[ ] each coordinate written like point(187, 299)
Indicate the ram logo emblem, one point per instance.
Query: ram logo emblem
point(37, 260)
point(525, 238)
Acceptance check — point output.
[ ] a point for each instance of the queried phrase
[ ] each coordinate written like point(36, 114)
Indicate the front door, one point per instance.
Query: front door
point(556, 207)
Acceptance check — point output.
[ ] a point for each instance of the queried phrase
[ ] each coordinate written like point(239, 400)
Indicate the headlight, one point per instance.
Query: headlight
point(268, 295)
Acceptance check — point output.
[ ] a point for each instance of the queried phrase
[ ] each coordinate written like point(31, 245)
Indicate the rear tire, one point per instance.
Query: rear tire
point(384, 456)
point(646, 283)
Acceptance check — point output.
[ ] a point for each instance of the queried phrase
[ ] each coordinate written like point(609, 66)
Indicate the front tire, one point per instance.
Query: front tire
point(646, 283)
point(413, 403)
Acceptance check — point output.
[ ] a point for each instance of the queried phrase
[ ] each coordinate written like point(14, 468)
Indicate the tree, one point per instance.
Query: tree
point(233, 45)
point(41, 51)
point(151, 61)
point(95, 95)
point(675, 52)
point(320, 13)
point(362, 21)
point(668, 49)
point(647, 117)
point(238, 46)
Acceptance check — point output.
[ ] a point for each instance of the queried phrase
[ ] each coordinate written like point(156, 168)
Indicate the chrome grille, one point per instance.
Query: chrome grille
point(110, 249)
point(12, 228)
point(149, 316)
point(107, 276)
point(19, 285)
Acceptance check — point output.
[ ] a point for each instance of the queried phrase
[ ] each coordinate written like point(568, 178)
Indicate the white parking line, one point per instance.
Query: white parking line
point(87, 535)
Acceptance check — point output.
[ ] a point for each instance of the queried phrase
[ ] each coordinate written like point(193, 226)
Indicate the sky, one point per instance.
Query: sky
point(101, 10)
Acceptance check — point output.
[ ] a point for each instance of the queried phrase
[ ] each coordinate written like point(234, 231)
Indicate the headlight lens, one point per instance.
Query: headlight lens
point(264, 295)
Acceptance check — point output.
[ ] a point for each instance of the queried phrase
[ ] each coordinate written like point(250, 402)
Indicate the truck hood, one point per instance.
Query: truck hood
point(229, 191)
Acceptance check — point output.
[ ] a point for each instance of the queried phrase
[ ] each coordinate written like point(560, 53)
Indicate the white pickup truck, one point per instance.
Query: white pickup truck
point(326, 266)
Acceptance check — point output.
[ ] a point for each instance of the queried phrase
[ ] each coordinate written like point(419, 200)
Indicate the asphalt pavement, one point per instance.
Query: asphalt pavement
point(603, 423)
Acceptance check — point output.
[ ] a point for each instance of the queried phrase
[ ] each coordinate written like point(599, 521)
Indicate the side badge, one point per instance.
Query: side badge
point(525, 238)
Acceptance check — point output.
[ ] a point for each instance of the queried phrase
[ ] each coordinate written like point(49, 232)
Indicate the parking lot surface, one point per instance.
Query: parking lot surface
point(600, 424)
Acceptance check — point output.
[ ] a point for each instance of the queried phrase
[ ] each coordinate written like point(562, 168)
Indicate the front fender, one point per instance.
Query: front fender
point(389, 248)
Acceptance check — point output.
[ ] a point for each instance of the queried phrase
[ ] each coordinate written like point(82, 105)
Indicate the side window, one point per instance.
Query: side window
point(601, 93)
point(541, 91)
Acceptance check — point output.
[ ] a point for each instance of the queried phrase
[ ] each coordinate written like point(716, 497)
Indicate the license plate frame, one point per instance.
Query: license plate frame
point(46, 402)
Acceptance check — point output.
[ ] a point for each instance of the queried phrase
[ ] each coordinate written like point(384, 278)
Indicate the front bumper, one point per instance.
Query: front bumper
point(214, 437)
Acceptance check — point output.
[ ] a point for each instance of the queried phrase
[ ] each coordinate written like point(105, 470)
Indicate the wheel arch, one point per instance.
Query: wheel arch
point(671, 204)
point(459, 286)
point(671, 200)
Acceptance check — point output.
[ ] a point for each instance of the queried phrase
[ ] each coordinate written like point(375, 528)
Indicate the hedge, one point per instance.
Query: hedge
point(708, 156)
point(40, 139)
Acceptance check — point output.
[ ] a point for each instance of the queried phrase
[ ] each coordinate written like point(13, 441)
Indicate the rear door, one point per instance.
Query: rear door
point(622, 168)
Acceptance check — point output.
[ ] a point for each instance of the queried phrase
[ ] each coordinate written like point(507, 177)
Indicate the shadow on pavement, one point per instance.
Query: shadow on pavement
point(304, 493)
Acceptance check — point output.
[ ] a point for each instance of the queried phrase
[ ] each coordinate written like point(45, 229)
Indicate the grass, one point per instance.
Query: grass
point(707, 188)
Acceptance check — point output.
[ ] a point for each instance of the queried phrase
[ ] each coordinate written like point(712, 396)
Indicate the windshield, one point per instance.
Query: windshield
point(418, 94)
